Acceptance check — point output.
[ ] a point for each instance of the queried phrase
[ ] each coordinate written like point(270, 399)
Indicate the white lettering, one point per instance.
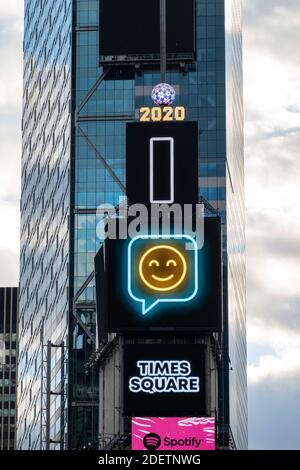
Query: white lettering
point(164, 377)
point(165, 368)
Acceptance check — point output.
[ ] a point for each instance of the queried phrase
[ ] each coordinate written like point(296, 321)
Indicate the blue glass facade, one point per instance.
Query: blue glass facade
point(73, 161)
point(45, 209)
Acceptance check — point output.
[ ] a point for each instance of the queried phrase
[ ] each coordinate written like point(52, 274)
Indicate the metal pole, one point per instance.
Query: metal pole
point(163, 42)
point(48, 396)
point(62, 398)
point(42, 380)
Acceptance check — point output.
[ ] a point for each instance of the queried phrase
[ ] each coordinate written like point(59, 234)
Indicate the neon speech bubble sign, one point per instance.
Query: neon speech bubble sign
point(161, 269)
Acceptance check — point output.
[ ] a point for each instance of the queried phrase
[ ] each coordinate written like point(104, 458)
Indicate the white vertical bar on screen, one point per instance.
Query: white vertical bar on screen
point(171, 182)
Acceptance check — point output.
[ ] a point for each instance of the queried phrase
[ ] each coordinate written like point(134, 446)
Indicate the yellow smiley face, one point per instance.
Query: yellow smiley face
point(162, 268)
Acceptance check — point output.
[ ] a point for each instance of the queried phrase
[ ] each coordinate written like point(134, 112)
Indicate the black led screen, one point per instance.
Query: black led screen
point(144, 139)
point(131, 28)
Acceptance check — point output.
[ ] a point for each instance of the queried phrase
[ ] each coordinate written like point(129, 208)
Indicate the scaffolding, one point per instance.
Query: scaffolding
point(47, 393)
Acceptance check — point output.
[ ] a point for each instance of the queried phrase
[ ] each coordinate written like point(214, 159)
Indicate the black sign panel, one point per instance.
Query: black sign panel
point(131, 28)
point(164, 379)
point(101, 295)
point(186, 296)
point(162, 162)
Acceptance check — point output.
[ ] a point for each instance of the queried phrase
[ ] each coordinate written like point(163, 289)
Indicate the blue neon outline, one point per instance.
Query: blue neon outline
point(160, 237)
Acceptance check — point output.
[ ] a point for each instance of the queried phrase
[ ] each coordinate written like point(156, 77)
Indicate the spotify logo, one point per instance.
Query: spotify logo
point(152, 441)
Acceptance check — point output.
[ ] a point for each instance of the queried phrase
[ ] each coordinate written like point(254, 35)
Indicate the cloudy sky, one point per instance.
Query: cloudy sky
point(272, 131)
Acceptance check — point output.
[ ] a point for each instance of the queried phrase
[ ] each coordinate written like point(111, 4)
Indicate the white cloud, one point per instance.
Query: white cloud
point(11, 23)
point(272, 94)
point(10, 226)
point(3, 93)
point(11, 9)
point(11, 74)
point(272, 132)
point(273, 86)
point(284, 345)
point(10, 161)
point(9, 277)
point(275, 367)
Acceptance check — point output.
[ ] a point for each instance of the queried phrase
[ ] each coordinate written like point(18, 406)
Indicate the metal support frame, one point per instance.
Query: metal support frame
point(91, 91)
point(163, 42)
point(84, 286)
point(81, 118)
point(75, 307)
point(80, 115)
point(225, 438)
point(103, 118)
point(208, 206)
point(99, 156)
point(46, 394)
point(83, 326)
point(62, 385)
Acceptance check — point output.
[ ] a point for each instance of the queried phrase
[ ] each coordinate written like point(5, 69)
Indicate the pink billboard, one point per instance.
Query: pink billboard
point(173, 433)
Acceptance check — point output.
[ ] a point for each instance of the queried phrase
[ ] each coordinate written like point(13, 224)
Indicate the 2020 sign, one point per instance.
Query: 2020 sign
point(166, 113)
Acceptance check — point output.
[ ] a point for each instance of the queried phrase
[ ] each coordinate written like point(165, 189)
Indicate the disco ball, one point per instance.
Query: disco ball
point(163, 94)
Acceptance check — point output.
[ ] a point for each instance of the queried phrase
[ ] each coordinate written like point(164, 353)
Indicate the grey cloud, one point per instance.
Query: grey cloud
point(272, 25)
point(253, 9)
point(255, 351)
point(293, 109)
point(270, 237)
point(282, 132)
point(275, 132)
point(273, 161)
point(283, 314)
point(269, 234)
point(273, 313)
point(274, 414)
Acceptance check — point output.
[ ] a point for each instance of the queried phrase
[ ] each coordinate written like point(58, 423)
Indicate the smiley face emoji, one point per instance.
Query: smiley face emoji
point(162, 268)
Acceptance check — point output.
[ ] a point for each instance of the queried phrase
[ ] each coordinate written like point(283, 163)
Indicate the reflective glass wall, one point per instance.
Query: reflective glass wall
point(44, 262)
point(236, 226)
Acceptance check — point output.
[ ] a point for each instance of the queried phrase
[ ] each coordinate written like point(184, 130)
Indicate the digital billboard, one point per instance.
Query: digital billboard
point(161, 282)
point(172, 433)
point(130, 30)
point(164, 379)
point(162, 162)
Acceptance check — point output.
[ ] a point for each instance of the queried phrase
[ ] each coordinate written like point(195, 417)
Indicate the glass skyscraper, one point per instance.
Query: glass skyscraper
point(73, 160)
